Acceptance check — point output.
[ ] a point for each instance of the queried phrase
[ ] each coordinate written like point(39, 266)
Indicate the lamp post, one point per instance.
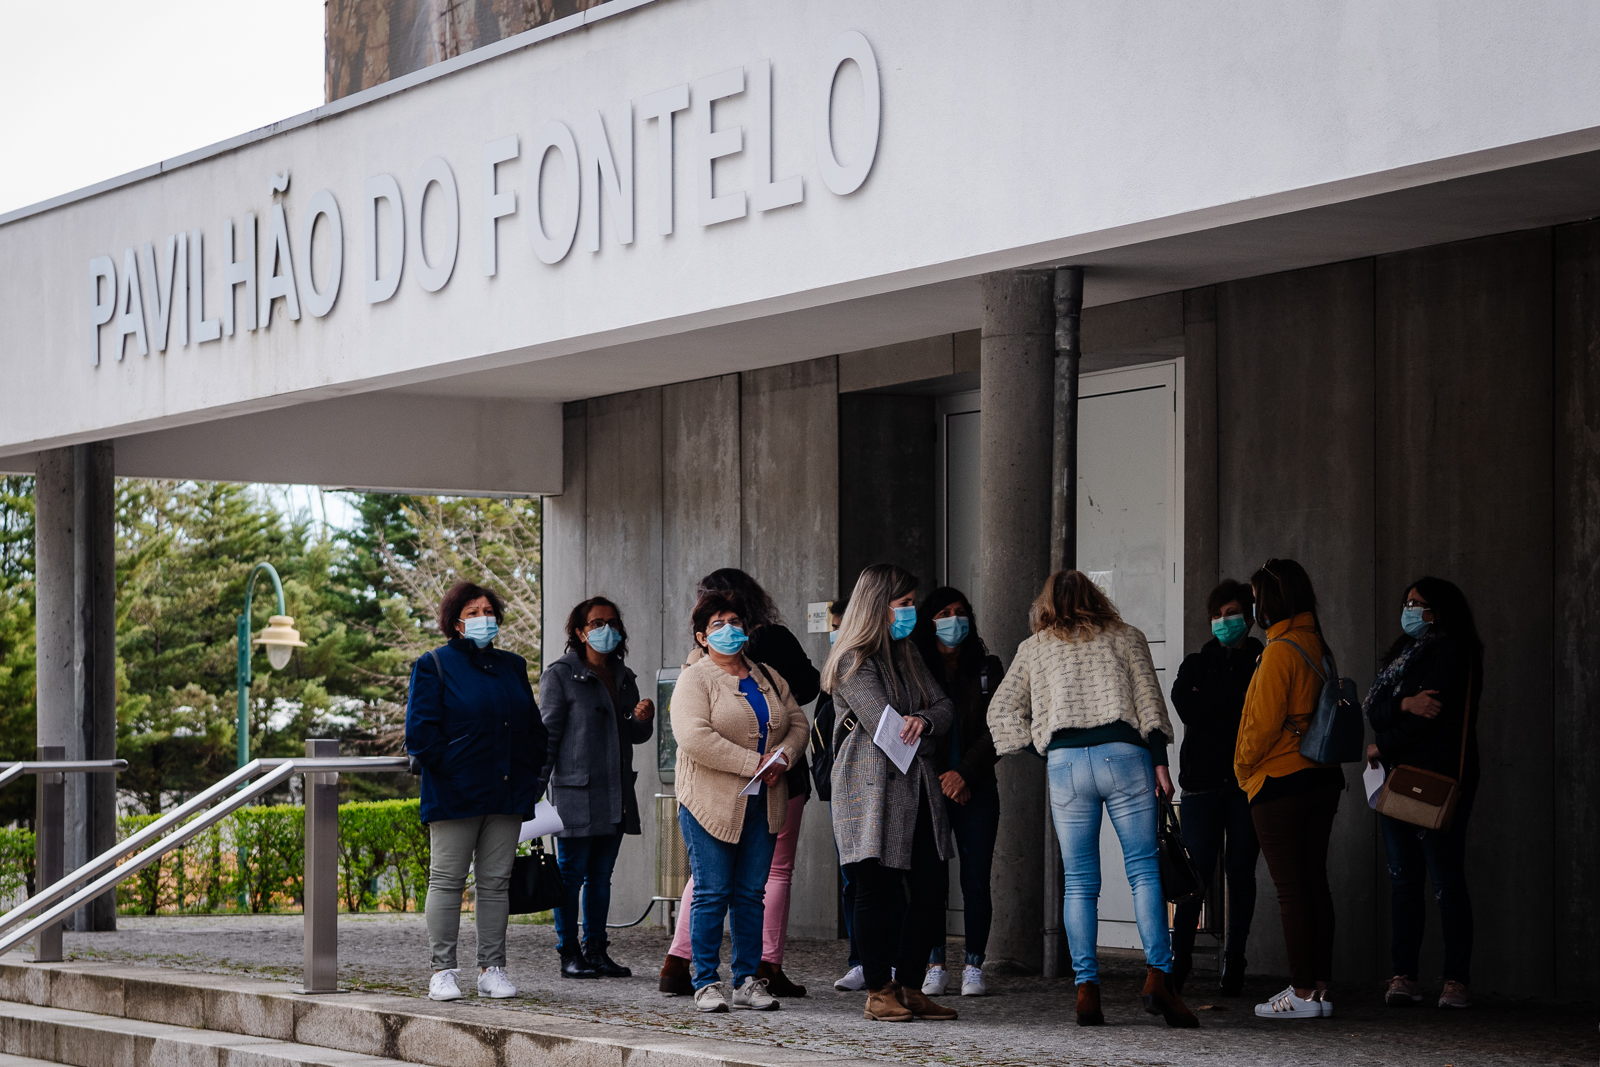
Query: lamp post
point(280, 638)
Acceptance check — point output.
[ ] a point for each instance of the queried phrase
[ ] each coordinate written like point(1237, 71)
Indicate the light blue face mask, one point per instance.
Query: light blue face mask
point(833, 637)
point(952, 630)
point(726, 640)
point(480, 629)
point(905, 620)
point(1229, 629)
point(1412, 622)
point(605, 639)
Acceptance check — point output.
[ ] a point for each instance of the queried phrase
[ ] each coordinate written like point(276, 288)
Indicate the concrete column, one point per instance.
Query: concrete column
point(565, 519)
point(1016, 428)
point(1200, 550)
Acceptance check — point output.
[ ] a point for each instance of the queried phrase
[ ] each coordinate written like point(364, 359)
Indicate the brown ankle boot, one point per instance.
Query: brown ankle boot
point(1160, 998)
point(1089, 1013)
point(922, 1006)
point(675, 977)
point(778, 983)
point(884, 1007)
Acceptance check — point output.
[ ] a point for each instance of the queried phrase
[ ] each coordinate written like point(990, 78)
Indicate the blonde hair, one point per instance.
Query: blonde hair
point(864, 633)
point(1073, 608)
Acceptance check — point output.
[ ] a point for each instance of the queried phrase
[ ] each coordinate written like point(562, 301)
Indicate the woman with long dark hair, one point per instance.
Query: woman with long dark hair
point(890, 826)
point(947, 636)
point(595, 716)
point(1424, 712)
point(1292, 799)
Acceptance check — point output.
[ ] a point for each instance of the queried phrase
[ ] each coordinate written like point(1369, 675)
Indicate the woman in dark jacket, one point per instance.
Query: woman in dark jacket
point(1209, 695)
point(595, 716)
point(771, 643)
point(474, 728)
point(1424, 710)
point(947, 637)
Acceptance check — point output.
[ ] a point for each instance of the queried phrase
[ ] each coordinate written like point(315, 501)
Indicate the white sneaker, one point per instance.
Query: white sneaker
point(442, 986)
point(1322, 998)
point(972, 984)
point(754, 996)
point(854, 980)
point(933, 985)
point(711, 998)
point(493, 983)
point(1288, 1006)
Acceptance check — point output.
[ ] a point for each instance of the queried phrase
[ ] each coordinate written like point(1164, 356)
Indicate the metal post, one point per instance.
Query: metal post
point(1063, 554)
point(49, 845)
point(322, 874)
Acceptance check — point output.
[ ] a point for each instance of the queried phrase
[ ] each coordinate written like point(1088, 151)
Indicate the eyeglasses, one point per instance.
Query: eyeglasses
point(717, 624)
point(1413, 602)
point(595, 624)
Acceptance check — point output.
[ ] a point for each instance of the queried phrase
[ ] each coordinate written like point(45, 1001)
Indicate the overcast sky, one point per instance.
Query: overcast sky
point(96, 88)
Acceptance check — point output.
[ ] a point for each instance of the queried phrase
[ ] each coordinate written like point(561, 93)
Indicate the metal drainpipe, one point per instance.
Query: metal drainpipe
point(1063, 555)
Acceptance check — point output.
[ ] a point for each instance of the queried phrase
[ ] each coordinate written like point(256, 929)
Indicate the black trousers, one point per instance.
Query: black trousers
point(1218, 822)
point(899, 913)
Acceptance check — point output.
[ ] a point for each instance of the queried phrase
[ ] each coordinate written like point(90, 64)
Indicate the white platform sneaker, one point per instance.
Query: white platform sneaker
point(753, 996)
point(494, 984)
point(711, 997)
point(442, 986)
point(937, 979)
point(854, 980)
point(1288, 1006)
point(972, 984)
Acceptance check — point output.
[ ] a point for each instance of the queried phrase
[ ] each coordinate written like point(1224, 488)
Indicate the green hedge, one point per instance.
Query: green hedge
point(254, 860)
point(16, 862)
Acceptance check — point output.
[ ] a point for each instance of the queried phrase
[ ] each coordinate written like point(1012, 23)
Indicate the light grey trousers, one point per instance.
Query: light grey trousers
point(487, 844)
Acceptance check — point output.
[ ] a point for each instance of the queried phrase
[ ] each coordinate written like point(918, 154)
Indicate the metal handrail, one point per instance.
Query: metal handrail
point(60, 766)
point(323, 770)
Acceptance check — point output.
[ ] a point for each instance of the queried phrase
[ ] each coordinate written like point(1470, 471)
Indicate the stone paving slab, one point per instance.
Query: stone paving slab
point(1024, 1021)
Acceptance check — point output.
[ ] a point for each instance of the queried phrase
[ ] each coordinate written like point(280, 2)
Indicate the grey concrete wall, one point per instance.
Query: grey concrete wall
point(1464, 492)
point(789, 460)
point(565, 520)
point(1201, 561)
point(1016, 427)
point(888, 500)
point(1576, 695)
point(1294, 372)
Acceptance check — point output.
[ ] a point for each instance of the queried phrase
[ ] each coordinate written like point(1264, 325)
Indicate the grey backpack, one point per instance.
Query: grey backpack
point(1336, 733)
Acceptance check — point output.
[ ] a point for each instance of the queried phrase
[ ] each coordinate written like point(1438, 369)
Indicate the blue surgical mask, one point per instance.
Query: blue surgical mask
point(727, 640)
point(1412, 622)
point(833, 637)
point(605, 639)
point(1229, 629)
point(905, 620)
point(952, 630)
point(480, 629)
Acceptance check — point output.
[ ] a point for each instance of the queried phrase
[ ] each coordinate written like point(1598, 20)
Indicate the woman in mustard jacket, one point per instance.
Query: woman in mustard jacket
point(1292, 799)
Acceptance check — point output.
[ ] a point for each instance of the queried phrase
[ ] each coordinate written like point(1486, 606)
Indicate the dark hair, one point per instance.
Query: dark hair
point(712, 603)
point(970, 654)
point(456, 600)
point(1071, 606)
point(758, 610)
point(1283, 590)
point(1226, 592)
point(580, 615)
point(1452, 616)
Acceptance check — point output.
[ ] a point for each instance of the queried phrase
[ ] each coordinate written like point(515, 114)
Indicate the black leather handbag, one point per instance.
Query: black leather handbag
point(536, 882)
point(1180, 878)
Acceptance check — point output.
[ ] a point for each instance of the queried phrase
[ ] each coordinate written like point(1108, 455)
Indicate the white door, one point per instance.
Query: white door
point(1130, 524)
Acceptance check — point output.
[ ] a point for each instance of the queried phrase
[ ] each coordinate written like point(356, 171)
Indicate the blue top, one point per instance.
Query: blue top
point(473, 725)
point(758, 704)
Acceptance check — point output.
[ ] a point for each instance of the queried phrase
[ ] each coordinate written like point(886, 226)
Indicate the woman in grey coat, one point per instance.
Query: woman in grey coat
point(591, 708)
point(891, 827)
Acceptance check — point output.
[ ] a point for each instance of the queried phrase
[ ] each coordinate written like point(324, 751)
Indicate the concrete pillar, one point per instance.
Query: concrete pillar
point(1201, 562)
point(75, 548)
point(565, 519)
point(1015, 430)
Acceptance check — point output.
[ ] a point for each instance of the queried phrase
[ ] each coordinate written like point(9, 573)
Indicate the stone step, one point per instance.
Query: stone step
point(380, 1027)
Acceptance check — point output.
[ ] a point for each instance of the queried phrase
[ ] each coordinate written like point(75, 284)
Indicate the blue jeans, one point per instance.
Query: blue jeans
point(976, 825)
point(728, 877)
point(1415, 854)
point(586, 865)
point(1119, 778)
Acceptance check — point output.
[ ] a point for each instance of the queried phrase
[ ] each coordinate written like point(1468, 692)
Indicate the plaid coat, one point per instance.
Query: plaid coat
point(874, 805)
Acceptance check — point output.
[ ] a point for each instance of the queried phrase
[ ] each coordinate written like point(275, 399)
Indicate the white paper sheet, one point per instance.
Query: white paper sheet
point(888, 738)
point(1372, 778)
point(545, 821)
point(755, 783)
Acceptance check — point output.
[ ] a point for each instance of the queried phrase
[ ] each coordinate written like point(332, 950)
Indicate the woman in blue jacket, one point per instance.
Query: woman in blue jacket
point(474, 728)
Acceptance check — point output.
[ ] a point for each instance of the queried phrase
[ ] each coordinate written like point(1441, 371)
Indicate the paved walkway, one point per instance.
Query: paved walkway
point(1025, 1021)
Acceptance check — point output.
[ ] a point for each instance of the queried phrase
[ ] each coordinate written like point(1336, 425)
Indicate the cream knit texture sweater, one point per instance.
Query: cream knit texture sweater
point(1055, 684)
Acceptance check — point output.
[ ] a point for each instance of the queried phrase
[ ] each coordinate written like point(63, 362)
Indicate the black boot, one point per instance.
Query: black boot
point(1232, 981)
point(574, 965)
point(1181, 966)
point(604, 966)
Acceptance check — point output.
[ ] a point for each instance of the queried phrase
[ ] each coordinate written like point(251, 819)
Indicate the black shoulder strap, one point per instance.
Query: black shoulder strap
point(437, 666)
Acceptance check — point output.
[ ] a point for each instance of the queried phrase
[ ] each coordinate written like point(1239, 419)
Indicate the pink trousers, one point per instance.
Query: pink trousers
point(775, 926)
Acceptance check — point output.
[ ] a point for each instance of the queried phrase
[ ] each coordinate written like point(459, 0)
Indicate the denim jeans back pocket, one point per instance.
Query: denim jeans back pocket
point(1058, 775)
point(1130, 775)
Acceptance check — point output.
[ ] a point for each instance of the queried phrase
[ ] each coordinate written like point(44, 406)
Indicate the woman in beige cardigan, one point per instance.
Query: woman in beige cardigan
point(729, 715)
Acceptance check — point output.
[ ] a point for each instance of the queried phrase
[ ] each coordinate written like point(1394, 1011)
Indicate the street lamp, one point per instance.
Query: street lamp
point(280, 638)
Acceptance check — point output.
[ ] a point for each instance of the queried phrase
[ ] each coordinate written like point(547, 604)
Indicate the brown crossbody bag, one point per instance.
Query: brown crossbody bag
point(1421, 797)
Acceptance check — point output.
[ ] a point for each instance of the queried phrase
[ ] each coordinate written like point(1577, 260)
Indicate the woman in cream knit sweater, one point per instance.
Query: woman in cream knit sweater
point(1083, 691)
